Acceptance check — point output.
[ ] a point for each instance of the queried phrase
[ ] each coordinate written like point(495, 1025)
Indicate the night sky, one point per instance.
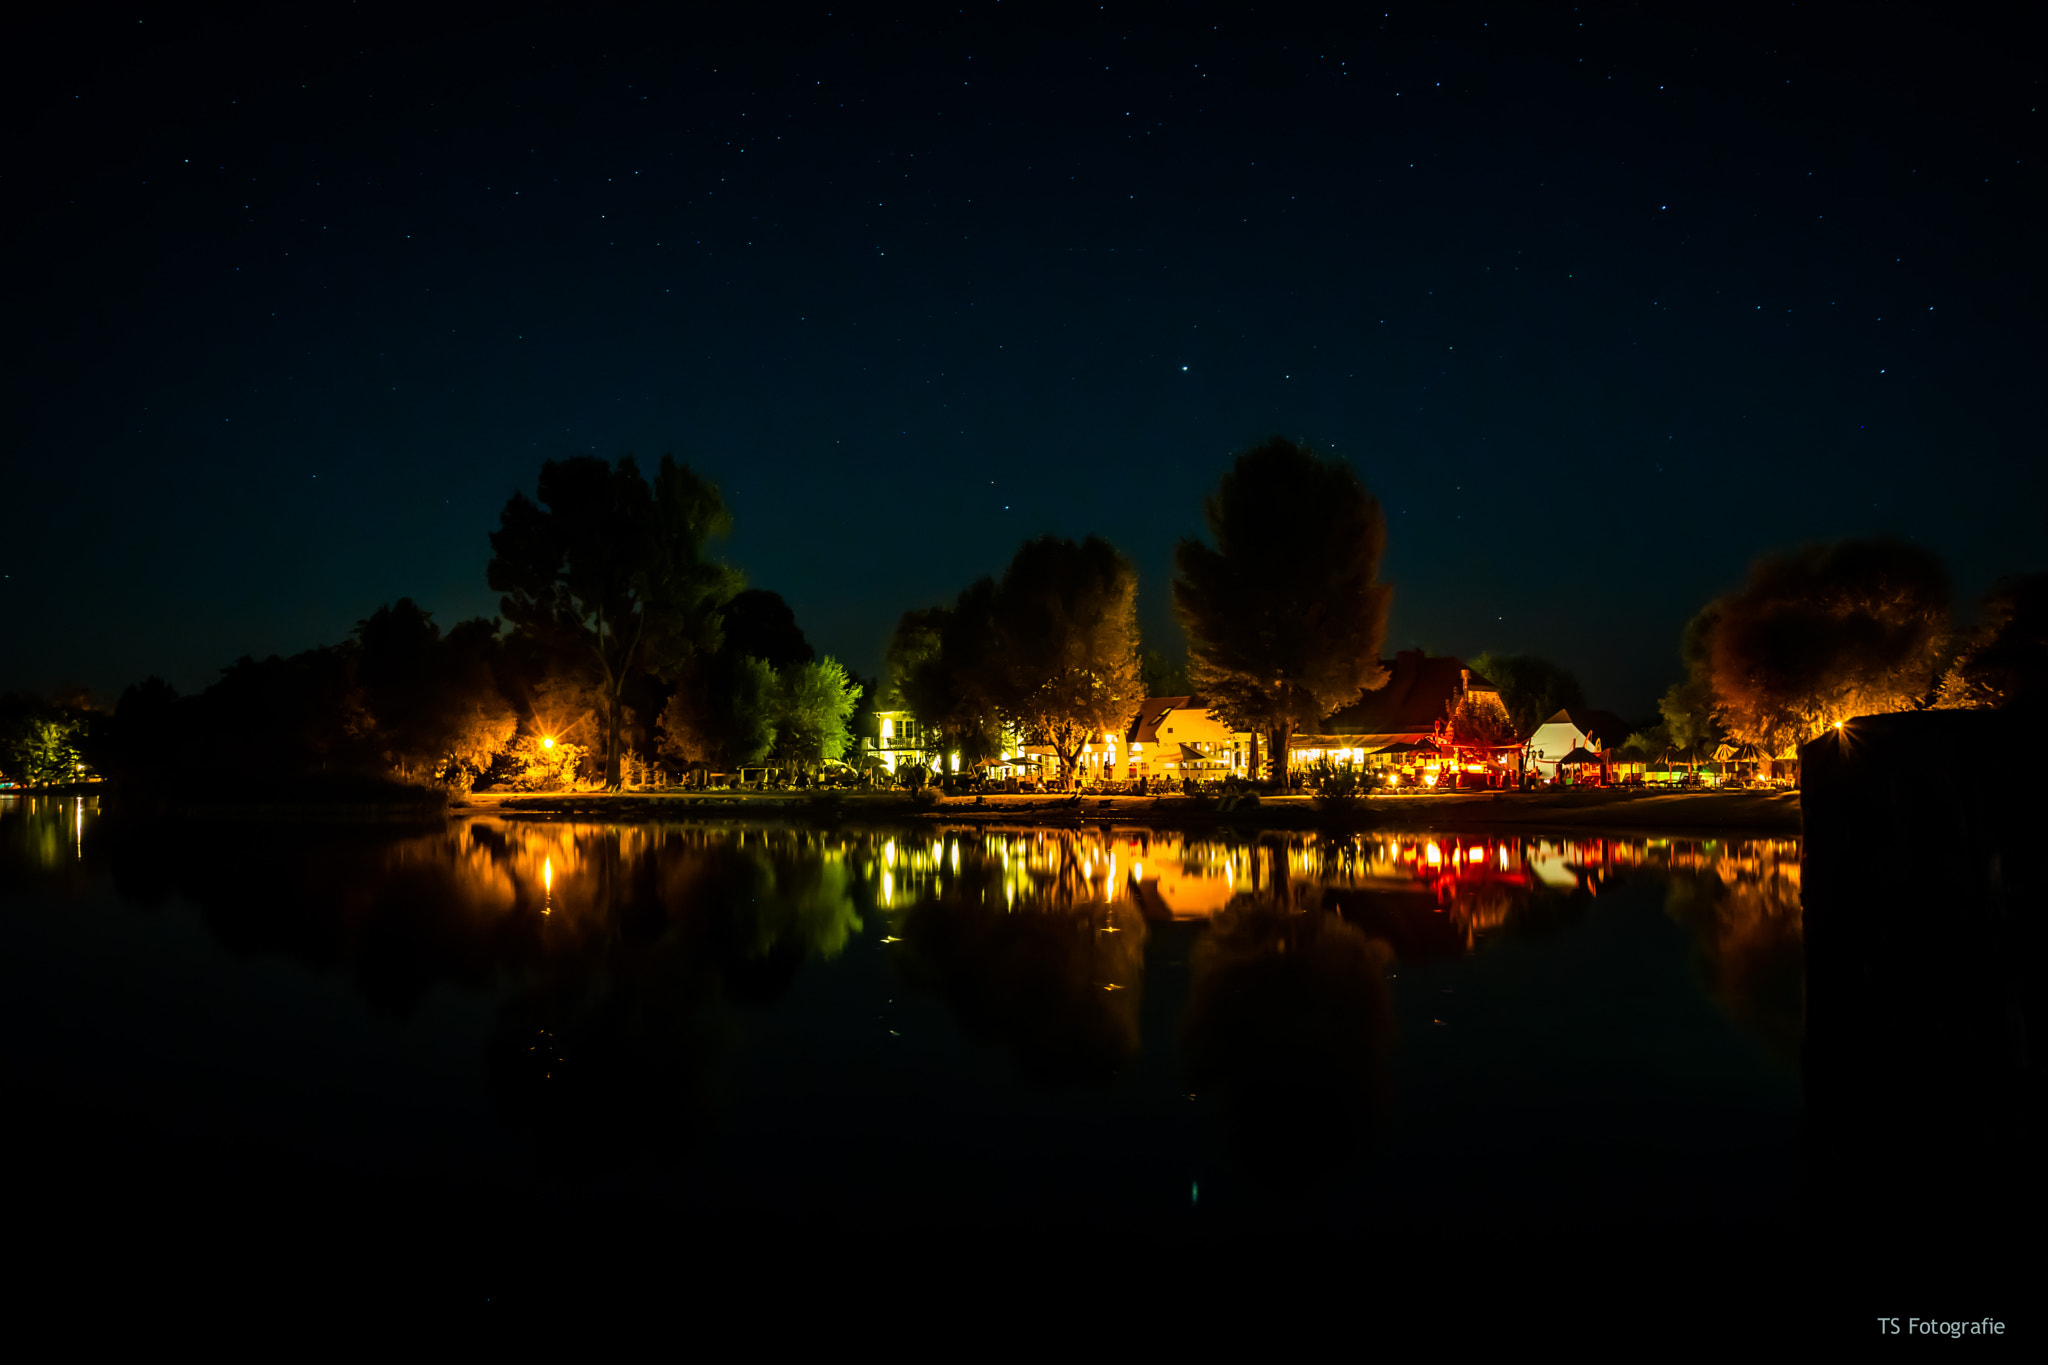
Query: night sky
point(1600, 302)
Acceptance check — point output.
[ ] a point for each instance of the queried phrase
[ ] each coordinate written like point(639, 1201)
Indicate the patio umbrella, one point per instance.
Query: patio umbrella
point(1579, 755)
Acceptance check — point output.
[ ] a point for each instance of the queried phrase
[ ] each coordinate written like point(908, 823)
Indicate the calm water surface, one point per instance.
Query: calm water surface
point(1420, 1034)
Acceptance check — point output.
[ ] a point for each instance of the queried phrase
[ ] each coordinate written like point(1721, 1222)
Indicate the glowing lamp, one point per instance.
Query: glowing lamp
point(547, 741)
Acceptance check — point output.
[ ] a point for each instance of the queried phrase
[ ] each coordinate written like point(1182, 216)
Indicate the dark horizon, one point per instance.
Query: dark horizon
point(1600, 306)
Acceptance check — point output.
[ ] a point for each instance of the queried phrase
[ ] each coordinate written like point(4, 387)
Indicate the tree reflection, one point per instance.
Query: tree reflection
point(620, 954)
point(1291, 1023)
point(1743, 906)
point(1051, 977)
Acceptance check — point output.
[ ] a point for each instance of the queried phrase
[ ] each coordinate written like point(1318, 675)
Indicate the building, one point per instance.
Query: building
point(901, 740)
point(1409, 713)
point(1597, 732)
point(1172, 738)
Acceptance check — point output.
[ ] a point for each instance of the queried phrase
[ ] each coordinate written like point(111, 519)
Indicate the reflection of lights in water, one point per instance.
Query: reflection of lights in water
point(81, 828)
point(956, 857)
point(1475, 855)
point(888, 887)
point(547, 881)
point(1435, 856)
point(889, 853)
point(1503, 858)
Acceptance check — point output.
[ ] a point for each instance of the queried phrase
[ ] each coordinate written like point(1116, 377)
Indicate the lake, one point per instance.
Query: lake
point(1118, 1035)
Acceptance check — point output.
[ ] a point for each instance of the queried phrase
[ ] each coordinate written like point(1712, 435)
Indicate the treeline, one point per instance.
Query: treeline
point(1818, 636)
point(1284, 618)
point(1282, 607)
point(44, 741)
point(624, 645)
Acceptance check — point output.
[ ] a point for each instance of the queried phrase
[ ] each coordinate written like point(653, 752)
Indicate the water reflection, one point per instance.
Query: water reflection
point(44, 834)
point(1290, 1021)
point(1054, 980)
point(625, 961)
point(1742, 902)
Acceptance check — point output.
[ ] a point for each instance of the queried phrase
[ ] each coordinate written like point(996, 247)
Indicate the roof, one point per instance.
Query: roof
point(1145, 728)
point(1418, 693)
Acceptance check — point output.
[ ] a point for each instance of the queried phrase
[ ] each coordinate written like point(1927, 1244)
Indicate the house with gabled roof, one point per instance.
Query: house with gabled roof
point(1597, 732)
point(1414, 704)
point(1177, 737)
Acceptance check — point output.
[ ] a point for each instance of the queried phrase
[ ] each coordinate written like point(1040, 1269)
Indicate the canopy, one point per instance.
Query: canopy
point(1579, 755)
point(1418, 747)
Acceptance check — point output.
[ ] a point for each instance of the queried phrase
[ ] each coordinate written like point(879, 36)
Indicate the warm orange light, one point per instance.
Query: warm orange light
point(1435, 855)
point(547, 741)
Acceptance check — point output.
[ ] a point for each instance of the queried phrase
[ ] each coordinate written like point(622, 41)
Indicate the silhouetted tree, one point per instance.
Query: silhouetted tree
point(2004, 661)
point(1285, 615)
point(1689, 706)
point(1066, 619)
point(1533, 689)
point(150, 735)
point(1823, 634)
point(434, 700)
point(1164, 676)
point(944, 665)
point(606, 566)
point(760, 623)
point(276, 718)
point(723, 712)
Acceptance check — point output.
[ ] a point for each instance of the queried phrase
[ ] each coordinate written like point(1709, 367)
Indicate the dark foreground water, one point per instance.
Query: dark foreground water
point(508, 1049)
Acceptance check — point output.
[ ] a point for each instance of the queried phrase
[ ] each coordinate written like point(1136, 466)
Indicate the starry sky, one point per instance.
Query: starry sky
point(1600, 302)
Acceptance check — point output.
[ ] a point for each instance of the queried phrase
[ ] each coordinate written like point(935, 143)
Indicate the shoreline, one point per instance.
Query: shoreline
point(1597, 810)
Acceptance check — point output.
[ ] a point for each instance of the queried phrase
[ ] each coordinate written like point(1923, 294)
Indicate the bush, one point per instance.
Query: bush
point(531, 765)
